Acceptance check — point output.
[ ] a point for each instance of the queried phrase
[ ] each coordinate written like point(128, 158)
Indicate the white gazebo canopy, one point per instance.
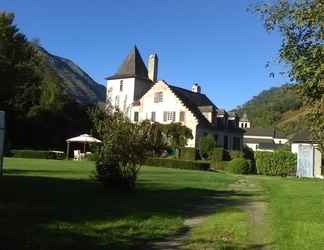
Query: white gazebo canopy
point(84, 138)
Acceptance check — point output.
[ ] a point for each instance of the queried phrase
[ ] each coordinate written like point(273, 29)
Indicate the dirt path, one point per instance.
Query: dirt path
point(256, 207)
point(250, 199)
point(177, 241)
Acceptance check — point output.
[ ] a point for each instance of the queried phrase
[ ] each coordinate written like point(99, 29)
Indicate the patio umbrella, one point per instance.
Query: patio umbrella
point(84, 138)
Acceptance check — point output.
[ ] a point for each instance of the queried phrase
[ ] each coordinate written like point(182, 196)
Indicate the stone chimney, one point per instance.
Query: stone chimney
point(196, 88)
point(153, 67)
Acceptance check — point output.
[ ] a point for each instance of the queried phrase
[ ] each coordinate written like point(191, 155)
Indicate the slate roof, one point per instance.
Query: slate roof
point(259, 132)
point(258, 141)
point(232, 114)
point(270, 146)
point(303, 136)
point(192, 100)
point(133, 66)
point(269, 132)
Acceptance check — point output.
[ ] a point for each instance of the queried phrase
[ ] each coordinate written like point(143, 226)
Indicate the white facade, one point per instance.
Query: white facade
point(245, 124)
point(121, 93)
point(150, 109)
point(280, 140)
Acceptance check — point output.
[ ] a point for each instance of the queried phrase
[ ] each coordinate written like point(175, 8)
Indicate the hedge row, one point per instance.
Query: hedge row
point(277, 163)
point(188, 154)
point(34, 154)
point(240, 166)
point(180, 164)
point(219, 165)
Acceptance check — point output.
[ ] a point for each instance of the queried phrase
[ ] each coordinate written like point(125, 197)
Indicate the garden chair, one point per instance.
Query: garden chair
point(77, 155)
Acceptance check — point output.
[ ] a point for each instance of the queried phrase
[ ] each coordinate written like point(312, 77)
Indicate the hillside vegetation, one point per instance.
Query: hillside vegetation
point(279, 107)
point(46, 97)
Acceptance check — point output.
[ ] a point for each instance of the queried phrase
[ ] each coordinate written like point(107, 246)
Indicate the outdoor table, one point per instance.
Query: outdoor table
point(59, 155)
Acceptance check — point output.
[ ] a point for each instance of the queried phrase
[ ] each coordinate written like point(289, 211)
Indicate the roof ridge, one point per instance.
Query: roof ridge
point(187, 90)
point(190, 106)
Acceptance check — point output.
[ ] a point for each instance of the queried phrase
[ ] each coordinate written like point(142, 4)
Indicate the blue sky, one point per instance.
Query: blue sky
point(214, 42)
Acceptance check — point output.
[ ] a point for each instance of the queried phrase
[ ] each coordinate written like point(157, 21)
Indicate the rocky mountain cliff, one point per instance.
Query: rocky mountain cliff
point(76, 82)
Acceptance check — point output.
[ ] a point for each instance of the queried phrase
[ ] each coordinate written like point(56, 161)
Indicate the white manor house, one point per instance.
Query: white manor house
point(136, 91)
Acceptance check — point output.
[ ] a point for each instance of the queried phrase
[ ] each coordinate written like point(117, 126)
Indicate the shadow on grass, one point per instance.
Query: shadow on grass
point(55, 213)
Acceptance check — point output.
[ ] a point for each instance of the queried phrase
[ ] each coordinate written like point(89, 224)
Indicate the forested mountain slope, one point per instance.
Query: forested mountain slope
point(279, 107)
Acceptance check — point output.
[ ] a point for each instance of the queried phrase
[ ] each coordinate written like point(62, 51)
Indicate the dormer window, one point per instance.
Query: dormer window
point(121, 86)
point(158, 97)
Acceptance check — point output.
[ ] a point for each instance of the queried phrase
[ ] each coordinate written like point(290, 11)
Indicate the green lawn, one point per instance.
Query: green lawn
point(228, 228)
point(296, 212)
point(47, 204)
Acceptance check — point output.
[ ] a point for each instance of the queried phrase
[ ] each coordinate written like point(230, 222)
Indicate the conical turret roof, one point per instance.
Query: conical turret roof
point(133, 66)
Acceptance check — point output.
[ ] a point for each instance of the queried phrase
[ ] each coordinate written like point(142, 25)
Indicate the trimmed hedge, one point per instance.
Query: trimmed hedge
point(217, 154)
point(188, 154)
point(34, 154)
point(236, 154)
point(180, 164)
point(277, 163)
point(239, 166)
point(219, 165)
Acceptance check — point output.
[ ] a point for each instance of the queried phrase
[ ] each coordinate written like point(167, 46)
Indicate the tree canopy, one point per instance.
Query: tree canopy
point(301, 24)
point(32, 95)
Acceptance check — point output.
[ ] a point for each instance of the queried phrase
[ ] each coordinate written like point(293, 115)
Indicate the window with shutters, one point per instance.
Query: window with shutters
point(169, 116)
point(153, 116)
point(117, 101)
point(121, 85)
point(125, 103)
point(158, 97)
point(135, 116)
point(182, 116)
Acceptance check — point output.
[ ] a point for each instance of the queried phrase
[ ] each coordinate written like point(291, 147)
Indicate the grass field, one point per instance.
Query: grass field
point(56, 205)
point(47, 204)
point(296, 212)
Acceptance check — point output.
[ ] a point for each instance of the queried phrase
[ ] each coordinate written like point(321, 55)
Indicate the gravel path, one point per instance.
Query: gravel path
point(250, 199)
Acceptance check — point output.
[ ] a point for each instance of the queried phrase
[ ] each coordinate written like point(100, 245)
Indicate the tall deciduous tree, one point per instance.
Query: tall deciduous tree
point(301, 23)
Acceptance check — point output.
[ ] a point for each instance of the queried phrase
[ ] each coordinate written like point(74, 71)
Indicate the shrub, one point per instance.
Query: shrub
point(217, 154)
point(248, 153)
point(236, 154)
point(176, 135)
point(189, 154)
point(124, 148)
point(219, 165)
point(180, 164)
point(207, 144)
point(35, 154)
point(277, 163)
point(239, 166)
